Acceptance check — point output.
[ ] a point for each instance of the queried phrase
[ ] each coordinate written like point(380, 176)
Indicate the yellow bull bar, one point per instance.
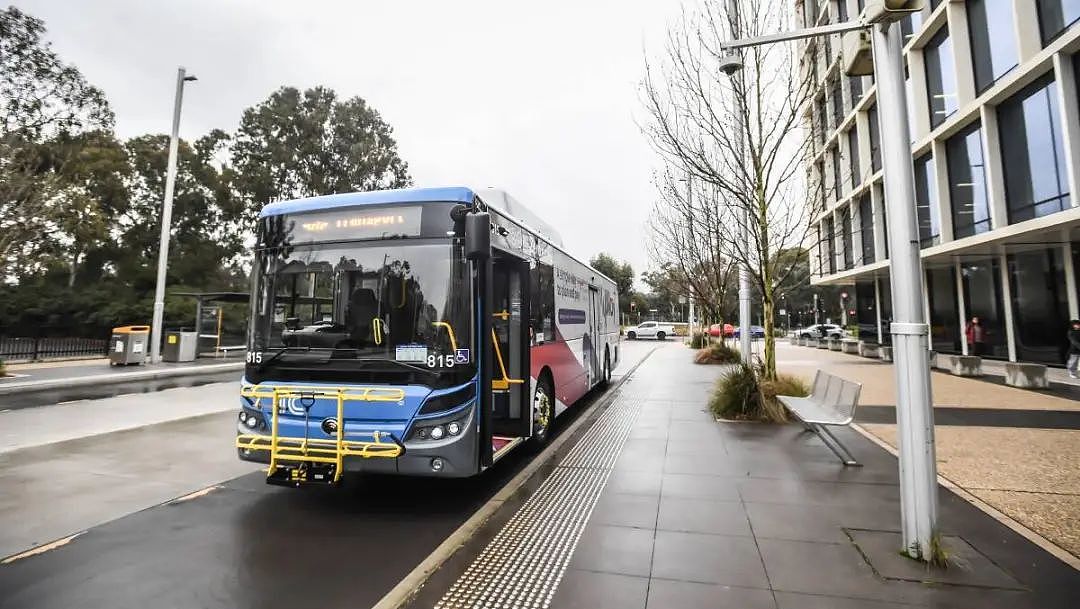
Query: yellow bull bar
point(318, 450)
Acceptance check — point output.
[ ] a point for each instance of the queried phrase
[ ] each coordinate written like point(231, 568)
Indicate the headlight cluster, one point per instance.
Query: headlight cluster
point(250, 420)
point(438, 432)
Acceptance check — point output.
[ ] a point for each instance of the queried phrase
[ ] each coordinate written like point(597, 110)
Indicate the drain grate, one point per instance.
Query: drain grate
point(521, 567)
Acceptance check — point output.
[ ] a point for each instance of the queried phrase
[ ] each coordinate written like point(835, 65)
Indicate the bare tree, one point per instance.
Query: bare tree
point(694, 111)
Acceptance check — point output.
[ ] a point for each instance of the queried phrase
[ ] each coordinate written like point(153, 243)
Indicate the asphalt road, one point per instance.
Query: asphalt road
point(242, 543)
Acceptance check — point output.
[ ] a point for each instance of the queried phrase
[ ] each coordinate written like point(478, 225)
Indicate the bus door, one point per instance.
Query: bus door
point(510, 386)
point(592, 337)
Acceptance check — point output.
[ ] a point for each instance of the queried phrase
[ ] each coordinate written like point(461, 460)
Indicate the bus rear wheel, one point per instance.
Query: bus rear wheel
point(605, 380)
point(543, 412)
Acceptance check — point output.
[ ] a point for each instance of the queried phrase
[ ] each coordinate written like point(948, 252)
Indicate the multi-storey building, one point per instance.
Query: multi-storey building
point(995, 141)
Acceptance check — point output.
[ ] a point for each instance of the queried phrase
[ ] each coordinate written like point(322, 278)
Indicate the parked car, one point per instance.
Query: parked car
point(755, 332)
point(821, 331)
point(715, 330)
point(651, 329)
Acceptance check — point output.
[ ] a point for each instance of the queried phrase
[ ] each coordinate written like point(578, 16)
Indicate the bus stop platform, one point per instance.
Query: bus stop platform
point(52, 376)
point(658, 505)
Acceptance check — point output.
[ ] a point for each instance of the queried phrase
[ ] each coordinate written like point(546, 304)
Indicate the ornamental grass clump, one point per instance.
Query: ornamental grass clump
point(742, 394)
point(697, 341)
point(717, 353)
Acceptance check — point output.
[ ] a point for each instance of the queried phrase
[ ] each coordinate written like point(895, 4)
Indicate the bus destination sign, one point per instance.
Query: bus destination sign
point(347, 224)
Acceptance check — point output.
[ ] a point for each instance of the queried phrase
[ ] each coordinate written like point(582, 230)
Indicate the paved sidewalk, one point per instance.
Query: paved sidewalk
point(697, 513)
point(50, 375)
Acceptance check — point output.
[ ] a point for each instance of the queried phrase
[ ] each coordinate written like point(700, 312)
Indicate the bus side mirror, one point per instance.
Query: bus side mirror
point(478, 236)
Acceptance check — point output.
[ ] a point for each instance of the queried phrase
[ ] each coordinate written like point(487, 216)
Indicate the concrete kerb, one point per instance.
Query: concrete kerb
point(1040, 541)
point(114, 378)
point(407, 587)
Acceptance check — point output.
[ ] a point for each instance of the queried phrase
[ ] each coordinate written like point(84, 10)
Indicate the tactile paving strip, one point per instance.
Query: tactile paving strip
point(521, 567)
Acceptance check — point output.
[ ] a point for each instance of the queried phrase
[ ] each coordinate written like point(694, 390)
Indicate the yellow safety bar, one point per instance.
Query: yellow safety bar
point(330, 451)
point(449, 331)
point(377, 329)
point(503, 315)
point(504, 383)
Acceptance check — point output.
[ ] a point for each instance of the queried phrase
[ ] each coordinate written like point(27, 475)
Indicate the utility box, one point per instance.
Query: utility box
point(129, 345)
point(180, 346)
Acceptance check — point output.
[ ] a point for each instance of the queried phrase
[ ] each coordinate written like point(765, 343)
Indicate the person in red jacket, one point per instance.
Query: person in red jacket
point(976, 337)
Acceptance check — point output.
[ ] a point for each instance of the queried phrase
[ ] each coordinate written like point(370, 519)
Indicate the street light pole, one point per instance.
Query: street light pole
point(744, 220)
point(166, 220)
point(914, 412)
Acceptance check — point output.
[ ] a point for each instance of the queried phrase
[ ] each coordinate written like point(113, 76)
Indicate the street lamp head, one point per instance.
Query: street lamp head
point(191, 78)
point(730, 63)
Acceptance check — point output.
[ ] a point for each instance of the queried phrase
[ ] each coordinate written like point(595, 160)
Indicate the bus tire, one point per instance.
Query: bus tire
point(543, 411)
point(605, 380)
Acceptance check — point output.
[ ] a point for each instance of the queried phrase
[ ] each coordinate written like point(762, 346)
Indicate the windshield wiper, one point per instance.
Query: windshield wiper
point(282, 351)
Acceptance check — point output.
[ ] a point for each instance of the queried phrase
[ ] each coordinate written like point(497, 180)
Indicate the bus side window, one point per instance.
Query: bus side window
point(543, 303)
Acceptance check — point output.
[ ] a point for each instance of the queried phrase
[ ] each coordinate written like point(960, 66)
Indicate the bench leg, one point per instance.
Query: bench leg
point(835, 445)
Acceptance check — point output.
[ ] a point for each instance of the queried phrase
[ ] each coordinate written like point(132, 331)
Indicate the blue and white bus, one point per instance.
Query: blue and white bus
point(422, 331)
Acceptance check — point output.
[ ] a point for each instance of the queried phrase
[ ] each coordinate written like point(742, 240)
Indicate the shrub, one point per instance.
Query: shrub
point(742, 395)
point(697, 341)
point(3, 369)
point(718, 353)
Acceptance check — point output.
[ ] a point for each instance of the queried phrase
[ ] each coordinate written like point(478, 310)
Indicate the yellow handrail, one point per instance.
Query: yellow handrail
point(449, 331)
point(505, 382)
point(376, 329)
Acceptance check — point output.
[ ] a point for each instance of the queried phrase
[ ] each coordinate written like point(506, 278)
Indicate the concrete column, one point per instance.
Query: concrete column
point(995, 171)
point(856, 231)
point(1006, 297)
point(963, 66)
point(920, 103)
point(1028, 36)
point(1070, 119)
point(862, 123)
point(941, 188)
point(961, 307)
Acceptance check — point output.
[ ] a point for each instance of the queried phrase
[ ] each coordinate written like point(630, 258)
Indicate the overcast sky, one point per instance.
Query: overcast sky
point(538, 98)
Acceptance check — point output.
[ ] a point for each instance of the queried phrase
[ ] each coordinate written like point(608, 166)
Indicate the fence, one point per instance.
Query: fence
point(15, 349)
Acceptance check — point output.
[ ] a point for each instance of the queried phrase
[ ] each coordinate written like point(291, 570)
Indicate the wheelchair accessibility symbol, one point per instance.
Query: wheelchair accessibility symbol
point(461, 356)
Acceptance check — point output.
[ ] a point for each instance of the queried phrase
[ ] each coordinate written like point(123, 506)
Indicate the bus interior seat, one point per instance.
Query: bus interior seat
point(362, 309)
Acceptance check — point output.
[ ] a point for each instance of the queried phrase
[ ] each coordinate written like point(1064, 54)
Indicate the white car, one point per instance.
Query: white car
point(651, 329)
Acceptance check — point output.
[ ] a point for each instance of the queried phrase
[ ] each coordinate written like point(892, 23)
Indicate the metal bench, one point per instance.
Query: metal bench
point(832, 402)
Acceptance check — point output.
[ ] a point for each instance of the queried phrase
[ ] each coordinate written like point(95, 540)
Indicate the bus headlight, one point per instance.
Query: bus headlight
point(453, 428)
point(442, 430)
point(437, 432)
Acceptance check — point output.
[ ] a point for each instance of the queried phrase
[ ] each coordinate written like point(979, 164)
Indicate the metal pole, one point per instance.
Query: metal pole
point(744, 220)
point(166, 221)
point(815, 310)
point(914, 410)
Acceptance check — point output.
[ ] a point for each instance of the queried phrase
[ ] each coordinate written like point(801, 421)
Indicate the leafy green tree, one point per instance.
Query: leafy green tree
point(619, 272)
point(42, 103)
point(297, 144)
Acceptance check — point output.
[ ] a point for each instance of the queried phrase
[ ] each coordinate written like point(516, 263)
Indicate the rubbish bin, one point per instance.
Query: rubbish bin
point(128, 345)
point(180, 346)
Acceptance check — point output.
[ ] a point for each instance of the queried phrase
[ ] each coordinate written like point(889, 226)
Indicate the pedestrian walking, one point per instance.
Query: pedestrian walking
point(976, 337)
point(1074, 347)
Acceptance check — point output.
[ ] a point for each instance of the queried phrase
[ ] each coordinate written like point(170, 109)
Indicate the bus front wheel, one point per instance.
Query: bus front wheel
point(543, 411)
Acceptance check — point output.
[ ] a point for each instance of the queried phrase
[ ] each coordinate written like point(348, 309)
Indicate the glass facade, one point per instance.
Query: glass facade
point(967, 182)
point(1036, 175)
point(926, 205)
point(822, 118)
point(853, 155)
point(829, 250)
point(866, 227)
point(837, 182)
point(866, 310)
point(940, 77)
point(856, 89)
point(837, 101)
point(945, 329)
point(846, 238)
point(1040, 305)
point(885, 304)
point(982, 296)
point(875, 139)
point(1055, 16)
point(993, 40)
point(910, 24)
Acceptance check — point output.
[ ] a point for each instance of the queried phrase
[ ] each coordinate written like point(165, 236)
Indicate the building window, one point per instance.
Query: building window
point(940, 77)
point(820, 166)
point(853, 154)
point(945, 331)
point(830, 246)
point(810, 7)
point(885, 303)
point(837, 101)
point(866, 310)
point(1036, 178)
point(1040, 305)
point(866, 228)
point(822, 116)
point(856, 90)
point(982, 297)
point(910, 25)
point(841, 11)
point(837, 183)
point(993, 40)
point(1055, 16)
point(846, 238)
point(926, 202)
point(875, 139)
point(967, 182)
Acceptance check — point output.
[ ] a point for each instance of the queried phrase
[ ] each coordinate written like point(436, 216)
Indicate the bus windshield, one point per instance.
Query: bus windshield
point(327, 311)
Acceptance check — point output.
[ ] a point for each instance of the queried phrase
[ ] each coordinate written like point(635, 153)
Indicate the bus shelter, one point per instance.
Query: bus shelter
point(213, 319)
